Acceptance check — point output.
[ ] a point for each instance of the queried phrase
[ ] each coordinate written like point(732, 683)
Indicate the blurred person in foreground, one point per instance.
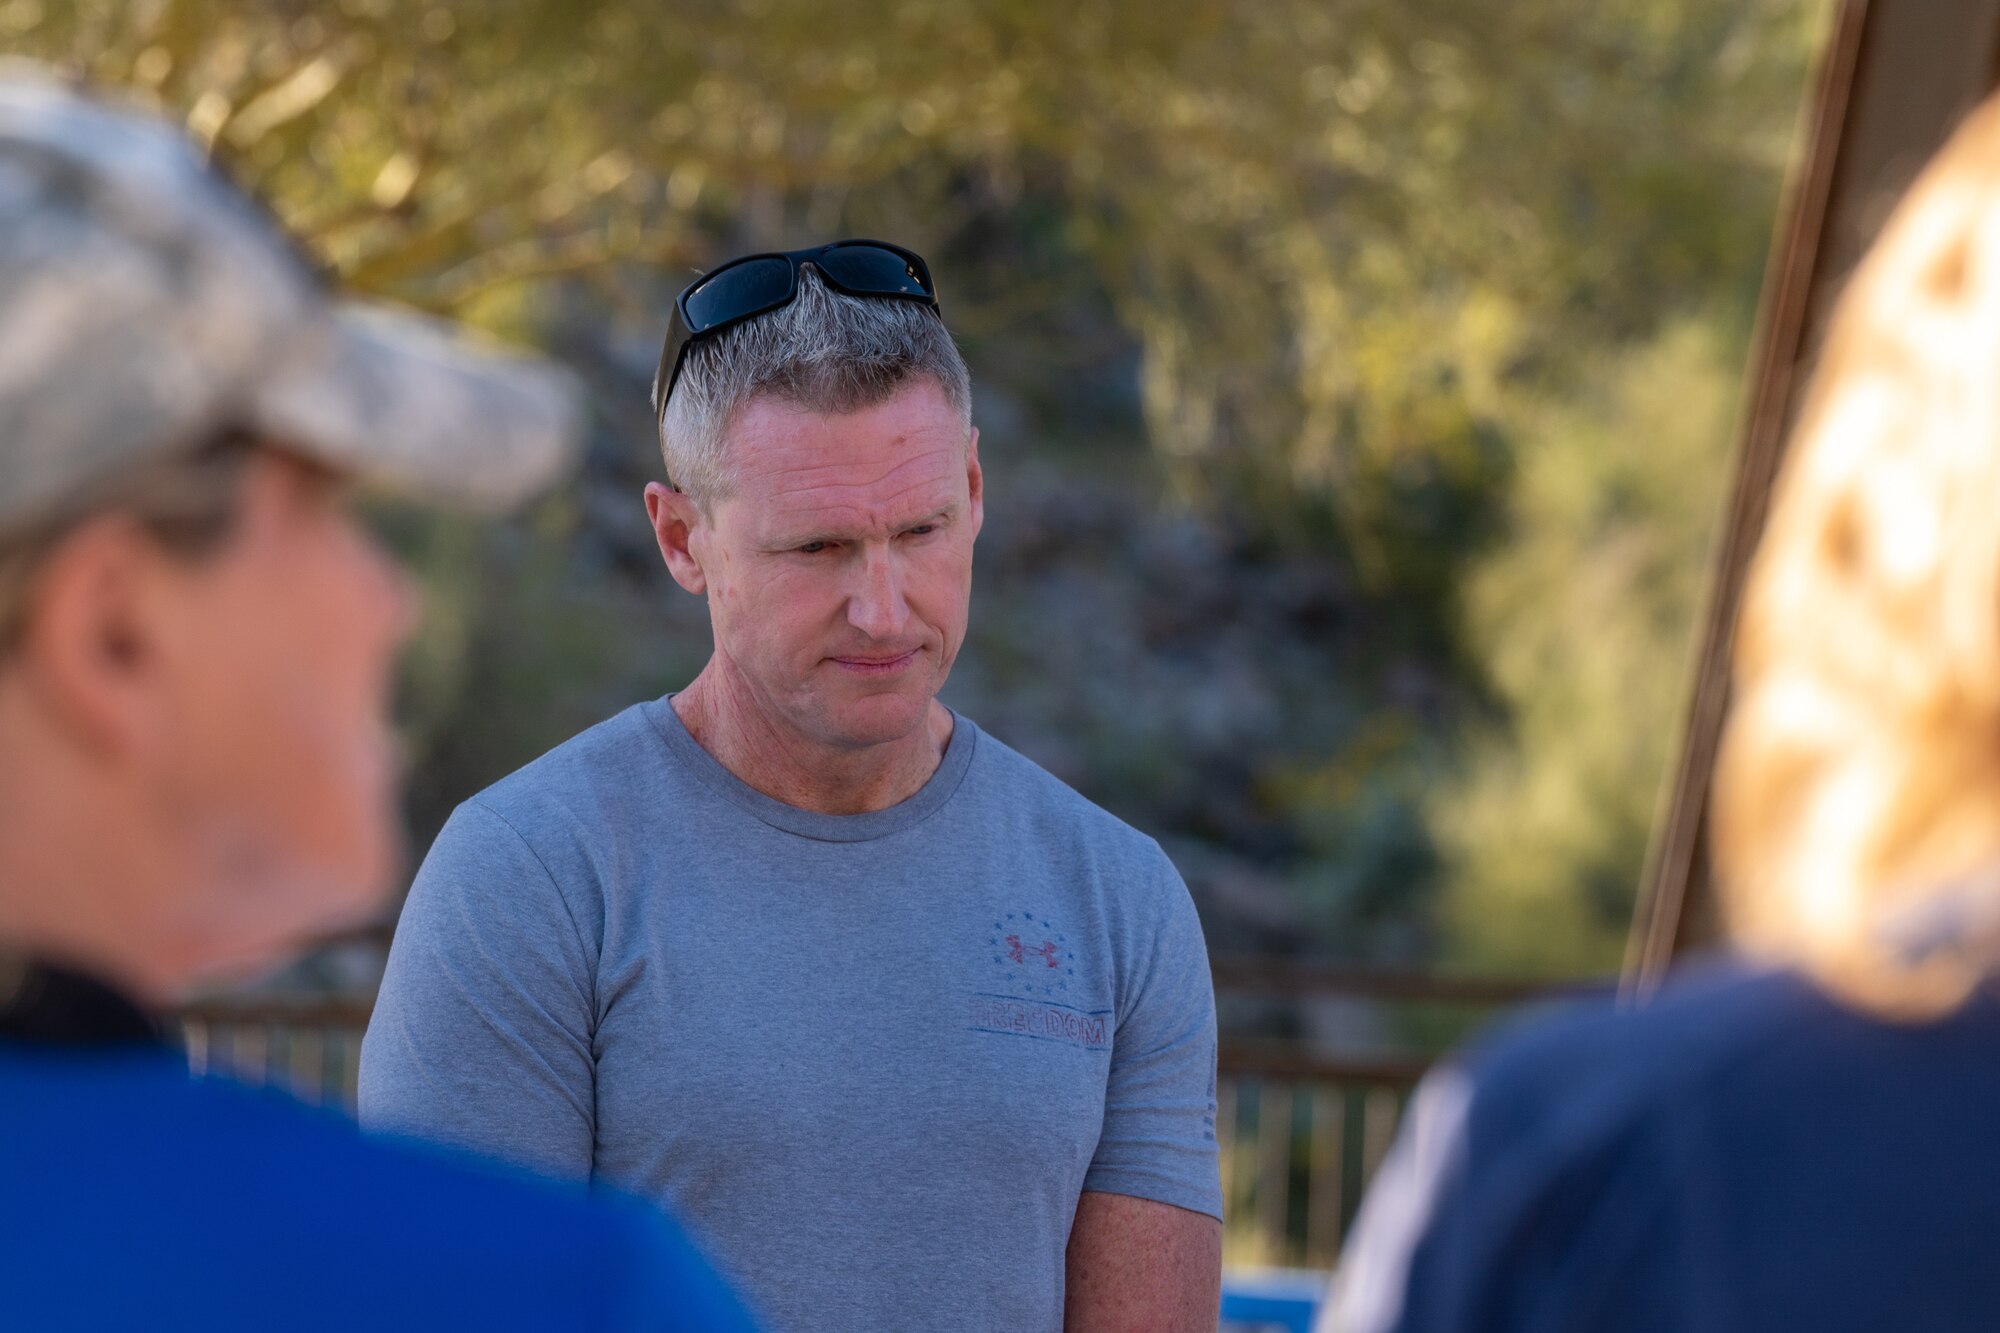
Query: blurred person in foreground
point(196, 770)
point(909, 1033)
point(1805, 1137)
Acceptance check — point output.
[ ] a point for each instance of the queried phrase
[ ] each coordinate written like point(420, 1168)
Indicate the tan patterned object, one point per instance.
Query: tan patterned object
point(146, 303)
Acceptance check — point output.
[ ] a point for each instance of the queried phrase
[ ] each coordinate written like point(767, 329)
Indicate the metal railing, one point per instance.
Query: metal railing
point(1297, 1152)
point(311, 1048)
point(1300, 1131)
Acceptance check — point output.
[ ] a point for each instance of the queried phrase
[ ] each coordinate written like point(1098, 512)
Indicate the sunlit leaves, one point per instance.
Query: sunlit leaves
point(1407, 284)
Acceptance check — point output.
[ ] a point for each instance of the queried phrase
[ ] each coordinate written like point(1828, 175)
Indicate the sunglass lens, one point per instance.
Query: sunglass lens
point(738, 290)
point(869, 268)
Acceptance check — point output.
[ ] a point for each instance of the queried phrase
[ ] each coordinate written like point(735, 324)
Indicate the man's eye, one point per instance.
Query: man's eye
point(812, 548)
point(922, 530)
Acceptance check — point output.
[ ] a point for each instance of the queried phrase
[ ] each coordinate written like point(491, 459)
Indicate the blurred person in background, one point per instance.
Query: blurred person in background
point(196, 767)
point(1802, 1138)
point(910, 1033)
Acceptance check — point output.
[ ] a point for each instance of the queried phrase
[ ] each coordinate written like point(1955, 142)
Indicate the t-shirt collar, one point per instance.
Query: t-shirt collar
point(43, 1002)
point(919, 806)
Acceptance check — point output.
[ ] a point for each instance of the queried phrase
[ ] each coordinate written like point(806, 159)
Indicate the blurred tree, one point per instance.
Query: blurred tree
point(1373, 280)
point(1582, 620)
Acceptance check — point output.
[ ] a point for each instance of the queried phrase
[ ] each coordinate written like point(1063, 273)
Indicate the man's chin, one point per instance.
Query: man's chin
point(873, 719)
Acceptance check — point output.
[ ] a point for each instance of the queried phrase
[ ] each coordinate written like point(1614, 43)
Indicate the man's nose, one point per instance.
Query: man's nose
point(876, 606)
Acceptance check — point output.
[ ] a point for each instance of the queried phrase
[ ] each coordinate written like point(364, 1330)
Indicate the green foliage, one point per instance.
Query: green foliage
point(1431, 308)
point(1582, 620)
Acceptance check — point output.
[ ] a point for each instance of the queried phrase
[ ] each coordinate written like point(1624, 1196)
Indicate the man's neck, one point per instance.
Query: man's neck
point(57, 912)
point(71, 877)
point(726, 719)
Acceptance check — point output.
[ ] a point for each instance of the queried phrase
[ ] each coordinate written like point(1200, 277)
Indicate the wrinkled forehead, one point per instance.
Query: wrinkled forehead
point(897, 462)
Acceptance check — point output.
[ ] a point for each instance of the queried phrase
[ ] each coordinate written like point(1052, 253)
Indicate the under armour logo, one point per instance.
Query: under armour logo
point(1019, 952)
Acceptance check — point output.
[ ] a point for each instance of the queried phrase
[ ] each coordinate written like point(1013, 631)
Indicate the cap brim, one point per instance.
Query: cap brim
point(401, 400)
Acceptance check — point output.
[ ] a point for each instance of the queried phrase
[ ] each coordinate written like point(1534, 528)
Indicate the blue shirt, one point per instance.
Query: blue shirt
point(134, 1195)
point(1741, 1154)
point(872, 1061)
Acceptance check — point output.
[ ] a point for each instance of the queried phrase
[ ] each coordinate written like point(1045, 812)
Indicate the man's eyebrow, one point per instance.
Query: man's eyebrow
point(944, 514)
point(785, 541)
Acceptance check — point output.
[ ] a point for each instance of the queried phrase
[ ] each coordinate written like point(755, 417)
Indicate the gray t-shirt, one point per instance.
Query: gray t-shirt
point(870, 1060)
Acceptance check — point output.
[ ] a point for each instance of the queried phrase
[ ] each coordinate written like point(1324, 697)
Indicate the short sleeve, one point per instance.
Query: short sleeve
point(481, 1036)
point(1158, 1138)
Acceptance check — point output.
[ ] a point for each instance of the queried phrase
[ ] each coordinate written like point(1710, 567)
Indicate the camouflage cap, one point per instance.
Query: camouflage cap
point(146, 304)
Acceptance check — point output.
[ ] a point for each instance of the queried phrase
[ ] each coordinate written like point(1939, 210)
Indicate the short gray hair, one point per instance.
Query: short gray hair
point(826, 352)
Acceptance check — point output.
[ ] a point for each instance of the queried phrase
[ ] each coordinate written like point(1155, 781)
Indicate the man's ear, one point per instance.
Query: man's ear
point(676, 519)
point(90, 650)
point(975, 482)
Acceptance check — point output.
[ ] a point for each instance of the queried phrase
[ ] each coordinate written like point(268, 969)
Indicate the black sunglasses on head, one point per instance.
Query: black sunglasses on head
point(756, 284)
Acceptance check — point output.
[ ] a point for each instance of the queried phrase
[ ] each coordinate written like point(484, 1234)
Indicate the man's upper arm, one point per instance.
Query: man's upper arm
point(1145, 1248)
point(665, 1285)
point(1158, 1137)
point(481, 1036)
point(1142, 1266)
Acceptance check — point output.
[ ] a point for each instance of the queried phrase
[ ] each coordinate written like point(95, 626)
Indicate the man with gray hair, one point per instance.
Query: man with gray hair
point(911, 1034)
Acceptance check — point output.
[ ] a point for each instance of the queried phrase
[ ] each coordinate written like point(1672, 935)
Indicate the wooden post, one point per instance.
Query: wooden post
point(1895, 81)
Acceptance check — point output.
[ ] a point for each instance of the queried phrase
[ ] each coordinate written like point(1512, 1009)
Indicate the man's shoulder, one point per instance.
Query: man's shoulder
point(600, 765)
point(234, 1136)
point(1603, 1152)
point(270, 1185)
point(1004, 776)
point(1589, 1074)
point(1750, 1046)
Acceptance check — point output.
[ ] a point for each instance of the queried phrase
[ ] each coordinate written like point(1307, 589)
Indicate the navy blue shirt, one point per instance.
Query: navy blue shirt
point(1740, 1154)
point(134, 1195)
